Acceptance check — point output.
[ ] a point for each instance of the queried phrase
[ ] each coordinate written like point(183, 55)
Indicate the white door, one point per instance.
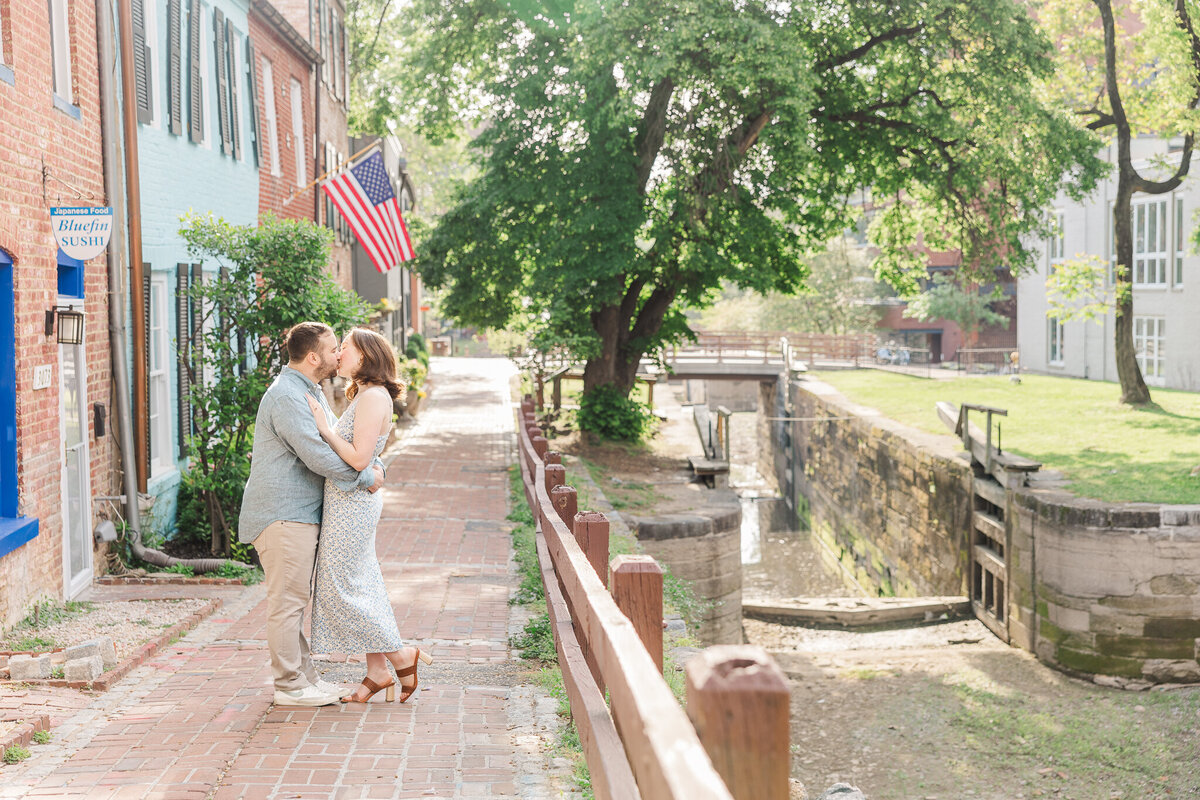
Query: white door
point(76, 491)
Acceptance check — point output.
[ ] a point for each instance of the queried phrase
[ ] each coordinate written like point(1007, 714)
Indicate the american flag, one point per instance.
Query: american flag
point(363, 194)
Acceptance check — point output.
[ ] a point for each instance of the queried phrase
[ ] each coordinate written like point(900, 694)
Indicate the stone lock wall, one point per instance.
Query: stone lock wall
point(890, 504)
point(1112, 589)
point(1094, 588)
point(703, 548)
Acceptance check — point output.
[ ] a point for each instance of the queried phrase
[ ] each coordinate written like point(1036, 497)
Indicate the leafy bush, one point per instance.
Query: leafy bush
point(15, 754)
point(413, 374)
point(419, 342)
point(41, 737)
point(607, 411)
point(412, 351)
point(180, 569)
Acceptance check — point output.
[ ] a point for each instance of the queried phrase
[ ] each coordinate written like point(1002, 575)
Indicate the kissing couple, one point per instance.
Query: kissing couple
point(310, 508)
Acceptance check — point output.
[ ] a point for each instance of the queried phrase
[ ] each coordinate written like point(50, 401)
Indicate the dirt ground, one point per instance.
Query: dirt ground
point(935, 712)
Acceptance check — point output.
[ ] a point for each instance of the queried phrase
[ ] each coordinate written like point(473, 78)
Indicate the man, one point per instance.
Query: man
point(281, 505)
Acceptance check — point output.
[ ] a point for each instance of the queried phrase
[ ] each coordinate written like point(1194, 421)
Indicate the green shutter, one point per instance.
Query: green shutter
point(174, 66)
point(195, 76)
point(141, 64)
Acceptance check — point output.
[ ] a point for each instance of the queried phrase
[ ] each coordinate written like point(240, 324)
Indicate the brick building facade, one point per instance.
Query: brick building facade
point(285, 70)
point(50, 135)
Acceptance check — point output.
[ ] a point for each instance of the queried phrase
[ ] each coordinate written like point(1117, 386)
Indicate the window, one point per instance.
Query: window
point(298, 131)
point(15, 529)
point(1150, 243)
point(1179, 241)
point(149, 53)
point(1054, 340)
point(335, 53)
point(272, 124)
point(6, 73)
point(161, 453)
point(204, 83)
point(1149, 334)
point(60, 50)
point(1056, 247)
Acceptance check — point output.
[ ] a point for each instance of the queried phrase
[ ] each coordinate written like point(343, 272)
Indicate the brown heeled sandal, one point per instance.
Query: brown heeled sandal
point(407, 691)
point(373, 688)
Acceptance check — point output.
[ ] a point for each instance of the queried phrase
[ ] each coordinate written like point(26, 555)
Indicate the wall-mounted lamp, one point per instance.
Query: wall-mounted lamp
point(70, 326)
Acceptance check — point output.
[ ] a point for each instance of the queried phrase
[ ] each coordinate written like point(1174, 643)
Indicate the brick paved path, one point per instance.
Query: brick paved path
point(196, 721)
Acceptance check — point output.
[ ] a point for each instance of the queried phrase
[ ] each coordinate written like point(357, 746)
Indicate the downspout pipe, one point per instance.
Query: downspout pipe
point(141, 416)
point(117, 259)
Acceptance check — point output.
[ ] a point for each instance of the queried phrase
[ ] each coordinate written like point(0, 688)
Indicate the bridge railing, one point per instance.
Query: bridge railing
point(730, 744)
point(810, 348)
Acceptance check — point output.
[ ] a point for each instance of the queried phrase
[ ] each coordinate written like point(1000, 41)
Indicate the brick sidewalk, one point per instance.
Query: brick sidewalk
point(197, 721)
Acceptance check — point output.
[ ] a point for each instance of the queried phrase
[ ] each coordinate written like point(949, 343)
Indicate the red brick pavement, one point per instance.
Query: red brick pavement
point(206, 727)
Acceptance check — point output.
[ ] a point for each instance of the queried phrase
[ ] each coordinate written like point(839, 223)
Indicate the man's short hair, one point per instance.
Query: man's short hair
point(304, 338)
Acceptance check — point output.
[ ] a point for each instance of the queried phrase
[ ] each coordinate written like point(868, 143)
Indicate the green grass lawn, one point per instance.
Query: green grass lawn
point(1106, 450)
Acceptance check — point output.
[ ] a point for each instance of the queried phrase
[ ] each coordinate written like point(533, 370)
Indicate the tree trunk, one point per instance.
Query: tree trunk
point(1133, 387)
point(615, 365)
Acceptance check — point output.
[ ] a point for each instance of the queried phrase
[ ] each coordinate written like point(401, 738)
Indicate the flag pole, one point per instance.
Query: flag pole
point(297, 192)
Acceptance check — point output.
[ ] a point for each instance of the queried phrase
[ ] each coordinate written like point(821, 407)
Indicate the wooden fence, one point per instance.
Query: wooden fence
point(730, 744)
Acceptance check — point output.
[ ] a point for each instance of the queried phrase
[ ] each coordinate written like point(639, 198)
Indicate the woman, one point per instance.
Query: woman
point(351, 611)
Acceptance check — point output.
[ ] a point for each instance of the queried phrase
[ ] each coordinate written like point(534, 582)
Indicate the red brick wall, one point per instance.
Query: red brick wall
point(32, 133)
point(276, 192)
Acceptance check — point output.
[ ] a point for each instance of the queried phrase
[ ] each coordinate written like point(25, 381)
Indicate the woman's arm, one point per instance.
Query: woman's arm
point(363, 450)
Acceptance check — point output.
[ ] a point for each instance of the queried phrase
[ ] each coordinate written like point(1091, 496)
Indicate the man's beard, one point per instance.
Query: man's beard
point(331, 371)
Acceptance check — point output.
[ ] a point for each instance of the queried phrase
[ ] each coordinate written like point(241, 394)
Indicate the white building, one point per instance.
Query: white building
point(1166, 281)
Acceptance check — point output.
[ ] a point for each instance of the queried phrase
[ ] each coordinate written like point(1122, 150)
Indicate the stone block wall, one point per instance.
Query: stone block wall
point(890, 503)
point(1104, 588)
point(704, 548)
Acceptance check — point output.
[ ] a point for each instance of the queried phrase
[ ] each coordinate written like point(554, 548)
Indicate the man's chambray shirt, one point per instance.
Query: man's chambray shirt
point(291, 461)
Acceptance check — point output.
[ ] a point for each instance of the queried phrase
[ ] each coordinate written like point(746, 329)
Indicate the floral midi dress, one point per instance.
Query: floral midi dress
point(351, 610)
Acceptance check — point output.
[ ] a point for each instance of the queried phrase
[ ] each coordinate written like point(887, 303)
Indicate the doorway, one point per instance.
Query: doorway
point(76, 488)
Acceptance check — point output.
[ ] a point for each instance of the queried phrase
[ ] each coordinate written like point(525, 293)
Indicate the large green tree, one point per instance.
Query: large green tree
point(1128, 69)
point(636, 154)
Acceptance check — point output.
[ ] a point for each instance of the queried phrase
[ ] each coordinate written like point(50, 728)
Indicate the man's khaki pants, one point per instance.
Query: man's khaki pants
point(287, 551)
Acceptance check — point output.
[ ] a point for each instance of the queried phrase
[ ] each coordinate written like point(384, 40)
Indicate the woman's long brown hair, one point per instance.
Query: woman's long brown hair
point(378, 363)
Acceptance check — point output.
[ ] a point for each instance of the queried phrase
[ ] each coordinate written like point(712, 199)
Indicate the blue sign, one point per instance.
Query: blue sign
point(82, 232)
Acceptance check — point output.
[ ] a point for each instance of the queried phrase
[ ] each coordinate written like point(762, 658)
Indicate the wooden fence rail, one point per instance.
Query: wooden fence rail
point(642, 744)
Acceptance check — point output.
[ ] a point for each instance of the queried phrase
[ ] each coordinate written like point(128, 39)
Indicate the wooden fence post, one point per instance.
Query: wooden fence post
point(637, 588)
point(556, 475)
point(540, 388)
point(540, 445)
point(591, 531)
point(565, 503)
point(556, 392)
point(552, 457)
point(737, 698)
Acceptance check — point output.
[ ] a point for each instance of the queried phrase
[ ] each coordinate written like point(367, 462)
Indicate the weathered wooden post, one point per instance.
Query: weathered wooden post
point(650, 381)
point(556, 390)
point(540, 445)
point(591, 531)
point(552, 457)
point(565, 503)
point(637, 588)
point(556, 475)
point(737, 698)
point(539, 379)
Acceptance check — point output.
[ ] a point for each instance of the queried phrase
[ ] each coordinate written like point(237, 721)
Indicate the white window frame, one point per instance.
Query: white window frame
point(1054, 341)
point(206, 138)
point(1150, 248)
point(1149, 340)
point(1056, 246)
point(150, 26)
point(60, 36)
point(1180, 242)
point(297, 98)
point(162, 445)
point(268, 78)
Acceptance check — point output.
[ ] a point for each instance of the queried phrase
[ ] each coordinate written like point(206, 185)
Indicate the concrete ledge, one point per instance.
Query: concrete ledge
point(851, 612)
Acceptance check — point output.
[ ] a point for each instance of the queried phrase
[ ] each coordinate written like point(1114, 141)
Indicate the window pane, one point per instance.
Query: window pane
point(1162, 226)
point(1151, 227)
point(1139, 238)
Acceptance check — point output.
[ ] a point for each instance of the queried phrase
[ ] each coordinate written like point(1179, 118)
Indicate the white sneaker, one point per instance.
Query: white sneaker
point(308, 696)
point(330, 688)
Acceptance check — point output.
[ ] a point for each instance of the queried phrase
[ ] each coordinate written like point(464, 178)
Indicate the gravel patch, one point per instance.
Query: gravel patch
point(129, 623)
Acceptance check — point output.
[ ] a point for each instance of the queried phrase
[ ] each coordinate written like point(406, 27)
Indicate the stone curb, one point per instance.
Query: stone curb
point(23, 734)
point(110, 678)
point(124, 580)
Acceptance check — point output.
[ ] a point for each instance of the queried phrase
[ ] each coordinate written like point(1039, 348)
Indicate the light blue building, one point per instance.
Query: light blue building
point(196, 98)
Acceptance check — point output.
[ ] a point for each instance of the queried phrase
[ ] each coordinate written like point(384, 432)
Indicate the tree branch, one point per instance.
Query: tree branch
point(1141, 184)
point(653, 130)
point(1102, 118)
point(875, 41)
